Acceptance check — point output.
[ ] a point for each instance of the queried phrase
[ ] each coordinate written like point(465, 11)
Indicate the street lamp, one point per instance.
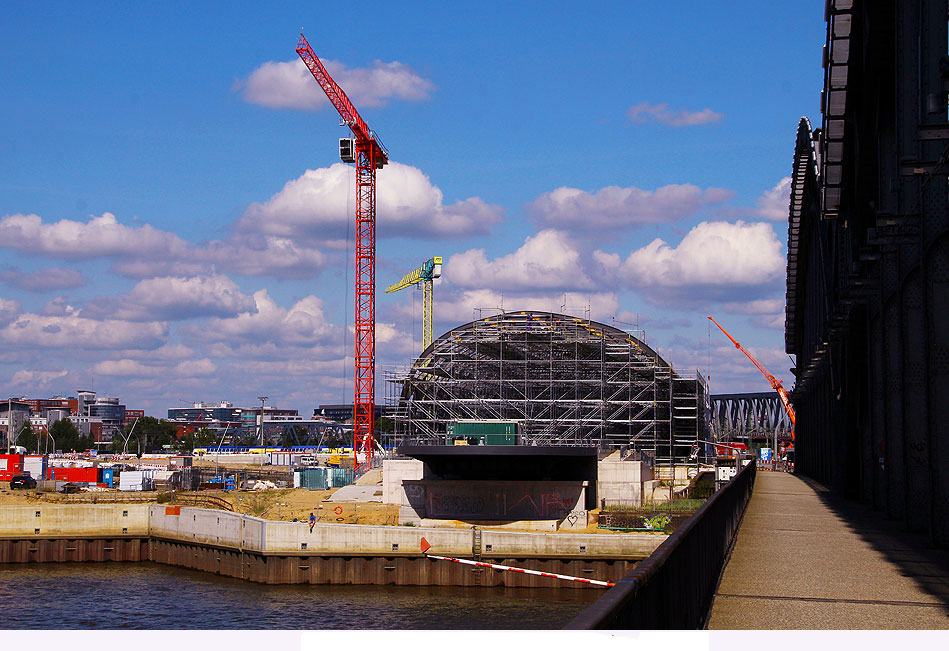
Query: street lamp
point(217, 454)
point(262, 399)
point(126, 446)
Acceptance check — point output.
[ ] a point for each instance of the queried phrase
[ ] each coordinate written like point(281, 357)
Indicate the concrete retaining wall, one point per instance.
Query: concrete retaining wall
point(81, 520)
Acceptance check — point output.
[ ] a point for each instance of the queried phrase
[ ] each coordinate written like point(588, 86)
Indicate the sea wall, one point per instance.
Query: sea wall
point(268, 551)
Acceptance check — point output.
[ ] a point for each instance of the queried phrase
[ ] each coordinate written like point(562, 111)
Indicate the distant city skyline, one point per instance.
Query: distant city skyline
point(175, 224)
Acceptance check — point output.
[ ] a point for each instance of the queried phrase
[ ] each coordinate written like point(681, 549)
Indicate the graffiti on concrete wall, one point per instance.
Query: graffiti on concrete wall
point(505, 503)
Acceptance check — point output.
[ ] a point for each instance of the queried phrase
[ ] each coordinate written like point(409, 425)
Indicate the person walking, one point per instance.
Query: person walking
point(312, 521)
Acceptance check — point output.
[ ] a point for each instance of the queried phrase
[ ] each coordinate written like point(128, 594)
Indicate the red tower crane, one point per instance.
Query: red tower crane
point(775, 383)
point(367, 151)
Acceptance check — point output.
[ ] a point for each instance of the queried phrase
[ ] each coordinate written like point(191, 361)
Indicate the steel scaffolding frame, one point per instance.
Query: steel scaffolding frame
point(567, 380)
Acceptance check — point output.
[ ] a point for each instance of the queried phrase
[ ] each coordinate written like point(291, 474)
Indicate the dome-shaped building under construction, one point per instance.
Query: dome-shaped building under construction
point(563, 379)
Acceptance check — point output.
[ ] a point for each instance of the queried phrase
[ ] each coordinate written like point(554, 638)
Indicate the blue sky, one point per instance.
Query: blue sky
point(173, 213)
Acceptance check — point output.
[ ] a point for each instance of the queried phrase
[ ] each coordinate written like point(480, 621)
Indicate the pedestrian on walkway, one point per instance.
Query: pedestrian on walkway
point(312, 521)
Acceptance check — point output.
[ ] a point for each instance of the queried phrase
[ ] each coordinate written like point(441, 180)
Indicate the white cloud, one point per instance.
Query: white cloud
point(661, 113)
point(44, 280)
point(458, 308)
point(127, 368)
point(614, 207)
point(545, 261)
point(72, 331)
point(774, 204)
point(765, 313)
point(303, 323)
point(174, 298)
point(9, 309)
point(141, 252)
point(715, 260)
point(99, 237)
point(37, 379)
point(289, 84)
point(320, 204)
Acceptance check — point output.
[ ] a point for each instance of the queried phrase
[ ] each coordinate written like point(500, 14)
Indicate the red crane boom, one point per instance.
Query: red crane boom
point(775, 383)
point(369, 155)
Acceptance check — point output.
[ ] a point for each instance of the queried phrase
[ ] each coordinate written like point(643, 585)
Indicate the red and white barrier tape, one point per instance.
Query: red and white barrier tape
point(508, 568)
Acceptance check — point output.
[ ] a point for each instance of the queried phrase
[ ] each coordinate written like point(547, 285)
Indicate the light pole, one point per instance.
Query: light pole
point(218, 452)
point(262, 399)
point(126, 446)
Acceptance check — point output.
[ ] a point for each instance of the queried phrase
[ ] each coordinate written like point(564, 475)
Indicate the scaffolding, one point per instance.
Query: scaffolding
point(566, 380)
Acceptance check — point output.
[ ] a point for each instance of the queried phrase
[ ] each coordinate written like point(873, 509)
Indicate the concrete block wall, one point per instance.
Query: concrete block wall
point(621, 480)
point(223, 529)
point(515, 543)
point(208, 526)
point(342, 539)
point(393, 472)
point(57, 520)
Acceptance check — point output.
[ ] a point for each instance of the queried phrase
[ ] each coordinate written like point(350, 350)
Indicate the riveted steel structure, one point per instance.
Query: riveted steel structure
point(746, 417)
point(566, 380)
point(868, 264)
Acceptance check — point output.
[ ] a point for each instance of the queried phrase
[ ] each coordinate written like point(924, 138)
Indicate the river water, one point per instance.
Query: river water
point(151, 596)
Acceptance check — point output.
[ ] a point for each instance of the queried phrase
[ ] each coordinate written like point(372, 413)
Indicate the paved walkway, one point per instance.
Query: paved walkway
point(805, 559)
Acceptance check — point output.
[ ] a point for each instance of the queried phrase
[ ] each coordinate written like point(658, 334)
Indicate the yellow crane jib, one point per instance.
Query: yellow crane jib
point(430, 269)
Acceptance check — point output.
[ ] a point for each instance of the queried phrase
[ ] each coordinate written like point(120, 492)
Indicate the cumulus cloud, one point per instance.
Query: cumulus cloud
point(174, 298)
point(142, 252)
point(614, 207)
point(545, 261)
point(44, 280)
point(72, 331)
point(303, 323)
point(661, 113)
point(319, 204)
point(289, 84)
point(715, 260)
point(99, 237)
point(774, 204)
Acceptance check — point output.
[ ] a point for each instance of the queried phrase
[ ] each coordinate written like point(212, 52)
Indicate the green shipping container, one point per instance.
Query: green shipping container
point(476, 428)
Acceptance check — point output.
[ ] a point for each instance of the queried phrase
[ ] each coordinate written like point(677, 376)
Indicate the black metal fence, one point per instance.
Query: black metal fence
point(674, 587)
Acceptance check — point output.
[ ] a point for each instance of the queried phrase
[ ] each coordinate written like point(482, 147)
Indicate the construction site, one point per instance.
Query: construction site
point(565, 381)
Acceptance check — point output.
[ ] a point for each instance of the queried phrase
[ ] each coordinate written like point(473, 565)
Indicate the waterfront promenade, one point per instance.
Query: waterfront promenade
point(805, 559)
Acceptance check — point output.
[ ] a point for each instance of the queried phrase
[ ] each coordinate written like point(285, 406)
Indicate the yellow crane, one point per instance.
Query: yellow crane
point(430, 269)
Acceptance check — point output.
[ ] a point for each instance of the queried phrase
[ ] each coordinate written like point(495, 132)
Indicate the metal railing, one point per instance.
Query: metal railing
point(675, 586)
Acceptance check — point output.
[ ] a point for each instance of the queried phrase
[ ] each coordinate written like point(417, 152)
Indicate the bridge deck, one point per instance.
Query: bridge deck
point(805, 559)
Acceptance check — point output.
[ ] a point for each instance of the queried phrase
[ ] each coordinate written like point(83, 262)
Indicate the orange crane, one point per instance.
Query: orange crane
point(775, 383)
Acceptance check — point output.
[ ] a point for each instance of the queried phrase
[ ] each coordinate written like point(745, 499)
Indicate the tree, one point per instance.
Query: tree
point(67, 437)
point(201, 438)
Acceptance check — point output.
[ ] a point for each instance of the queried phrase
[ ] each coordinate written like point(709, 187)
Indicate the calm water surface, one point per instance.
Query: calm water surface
point(150, 596)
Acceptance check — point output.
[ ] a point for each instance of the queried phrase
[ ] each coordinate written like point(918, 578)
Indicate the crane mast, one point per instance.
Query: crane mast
point(430, 269)
point(369, 154)
point(775, 383)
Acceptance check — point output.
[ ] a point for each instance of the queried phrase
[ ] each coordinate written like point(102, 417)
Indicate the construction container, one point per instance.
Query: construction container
point(484, 432)
point(10, 464)
point(35, 465)
point(89, 475)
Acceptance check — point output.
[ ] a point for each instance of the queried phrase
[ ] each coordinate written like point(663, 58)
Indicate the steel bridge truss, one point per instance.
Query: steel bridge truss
point(746, 416)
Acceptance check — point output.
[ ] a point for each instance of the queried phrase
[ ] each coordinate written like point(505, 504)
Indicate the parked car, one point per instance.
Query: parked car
point(22, 481)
